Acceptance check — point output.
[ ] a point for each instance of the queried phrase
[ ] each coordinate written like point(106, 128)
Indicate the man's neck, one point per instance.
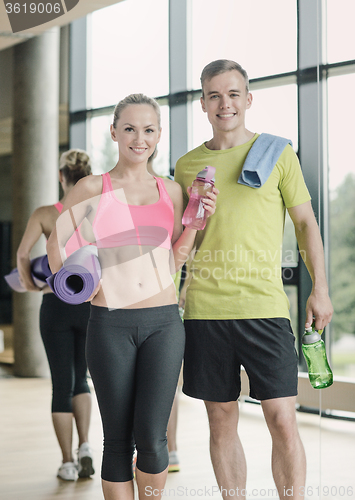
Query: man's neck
point(229, 140)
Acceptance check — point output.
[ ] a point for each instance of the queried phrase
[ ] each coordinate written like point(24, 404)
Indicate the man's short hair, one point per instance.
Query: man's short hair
point(220, 66)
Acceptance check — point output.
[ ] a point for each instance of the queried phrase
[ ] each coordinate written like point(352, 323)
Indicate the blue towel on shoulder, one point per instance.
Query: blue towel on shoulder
point(261, 159)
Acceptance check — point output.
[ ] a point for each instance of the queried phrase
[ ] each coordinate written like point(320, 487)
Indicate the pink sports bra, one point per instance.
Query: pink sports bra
point(76, 241)
point(119, 224)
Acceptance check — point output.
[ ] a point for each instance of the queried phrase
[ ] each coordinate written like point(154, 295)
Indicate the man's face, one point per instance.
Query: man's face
point(225, 101)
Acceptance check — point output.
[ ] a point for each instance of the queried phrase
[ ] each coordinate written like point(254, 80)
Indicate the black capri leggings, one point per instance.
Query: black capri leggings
point(63, 331)
point(134, 357)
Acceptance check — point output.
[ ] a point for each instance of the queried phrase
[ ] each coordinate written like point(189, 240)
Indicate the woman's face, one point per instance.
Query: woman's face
point(137, 132)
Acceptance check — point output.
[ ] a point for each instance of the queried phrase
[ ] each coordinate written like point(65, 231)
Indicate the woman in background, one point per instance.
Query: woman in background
point(63, 329)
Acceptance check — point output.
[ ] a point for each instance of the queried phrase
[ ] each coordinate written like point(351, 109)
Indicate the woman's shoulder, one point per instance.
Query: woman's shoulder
point(174, 191)
point(86, 188)
point(91, 182)
point(172, 187)
point(45, 217)
point(44, 212)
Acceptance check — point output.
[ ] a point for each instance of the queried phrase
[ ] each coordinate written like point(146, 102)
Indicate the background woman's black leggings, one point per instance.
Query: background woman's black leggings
point(134, 357)
point(63, 331)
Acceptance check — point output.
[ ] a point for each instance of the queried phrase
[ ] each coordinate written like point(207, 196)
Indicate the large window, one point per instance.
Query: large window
point(128, 57)
point(259, 35)
point(342, 221)
point(340, 30)
point(274, 110)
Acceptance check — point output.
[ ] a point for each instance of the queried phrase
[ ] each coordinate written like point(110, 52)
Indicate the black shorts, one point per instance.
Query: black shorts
point(215, 350)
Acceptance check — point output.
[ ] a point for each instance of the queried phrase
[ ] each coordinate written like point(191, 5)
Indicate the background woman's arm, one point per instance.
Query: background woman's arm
point(31, 235)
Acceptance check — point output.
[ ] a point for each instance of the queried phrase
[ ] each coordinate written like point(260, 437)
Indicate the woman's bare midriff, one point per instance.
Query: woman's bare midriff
point(135, 277)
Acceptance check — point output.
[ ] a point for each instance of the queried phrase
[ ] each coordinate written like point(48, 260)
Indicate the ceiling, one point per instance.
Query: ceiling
point(83, 7)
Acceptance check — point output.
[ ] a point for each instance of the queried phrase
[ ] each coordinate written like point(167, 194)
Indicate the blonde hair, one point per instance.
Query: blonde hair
point(135, 99)
point(74, 164)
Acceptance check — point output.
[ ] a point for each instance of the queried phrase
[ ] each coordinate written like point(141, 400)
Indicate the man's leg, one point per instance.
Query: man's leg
point(227, 453)
point(288, 456)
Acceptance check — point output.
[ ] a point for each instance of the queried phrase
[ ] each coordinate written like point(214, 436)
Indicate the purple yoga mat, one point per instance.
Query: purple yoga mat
point(39, 270)
point(77, 279)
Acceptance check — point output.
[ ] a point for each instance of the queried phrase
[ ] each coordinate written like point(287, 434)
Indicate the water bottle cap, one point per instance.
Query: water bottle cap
point(311, 337)
point(207, 174)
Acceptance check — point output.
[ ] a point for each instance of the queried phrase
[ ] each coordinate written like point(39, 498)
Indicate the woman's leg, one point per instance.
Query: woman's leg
point(59, 345)
point(82, 397)
point(63, 427)
point(172, 424)
point(111, 355)
point(158, 367)
point(118, 491)
point(150, 485)
point(82, 415)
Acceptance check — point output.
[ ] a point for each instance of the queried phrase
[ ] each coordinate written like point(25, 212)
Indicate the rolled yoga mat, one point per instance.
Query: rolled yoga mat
point(39, 270)
point(75, 282)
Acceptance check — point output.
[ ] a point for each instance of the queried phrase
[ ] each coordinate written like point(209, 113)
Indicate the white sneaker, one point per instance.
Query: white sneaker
point(85, 467)
point(68, 472)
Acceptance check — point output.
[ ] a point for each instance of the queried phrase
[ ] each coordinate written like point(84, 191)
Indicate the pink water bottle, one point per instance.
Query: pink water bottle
point(195, 214)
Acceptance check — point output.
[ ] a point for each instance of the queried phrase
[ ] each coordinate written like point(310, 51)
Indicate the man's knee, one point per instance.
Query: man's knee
point(280, 416)
point(223, 418)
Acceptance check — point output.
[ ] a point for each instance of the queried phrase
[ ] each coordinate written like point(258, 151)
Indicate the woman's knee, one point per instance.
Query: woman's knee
point(153, 458)
point(62, 403)
point(81, 387)
point(62, 395)
point(117, 460)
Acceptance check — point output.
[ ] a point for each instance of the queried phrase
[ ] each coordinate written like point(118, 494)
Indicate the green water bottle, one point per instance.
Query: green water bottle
point(319, 371)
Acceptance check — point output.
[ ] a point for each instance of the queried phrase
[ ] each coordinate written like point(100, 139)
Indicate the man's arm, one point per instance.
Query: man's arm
point(310, 244)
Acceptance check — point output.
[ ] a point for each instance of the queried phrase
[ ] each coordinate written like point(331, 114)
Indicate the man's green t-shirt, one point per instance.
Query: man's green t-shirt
point(236, 272)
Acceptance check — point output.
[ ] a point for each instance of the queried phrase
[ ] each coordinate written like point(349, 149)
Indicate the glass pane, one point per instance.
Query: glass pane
point(126, 56)
point(340, 30)
point(161, 164)
point(201, 127)
point(247, 32)
point(342, 223)
point(275, 111)
point(104, 152)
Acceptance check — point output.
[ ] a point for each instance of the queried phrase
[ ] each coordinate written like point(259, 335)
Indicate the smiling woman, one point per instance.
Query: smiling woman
point(134, 324)
point(144, 134)
point(104, 150)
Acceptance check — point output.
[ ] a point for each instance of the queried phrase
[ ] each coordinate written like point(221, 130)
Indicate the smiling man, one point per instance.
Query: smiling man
point(236, 310)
